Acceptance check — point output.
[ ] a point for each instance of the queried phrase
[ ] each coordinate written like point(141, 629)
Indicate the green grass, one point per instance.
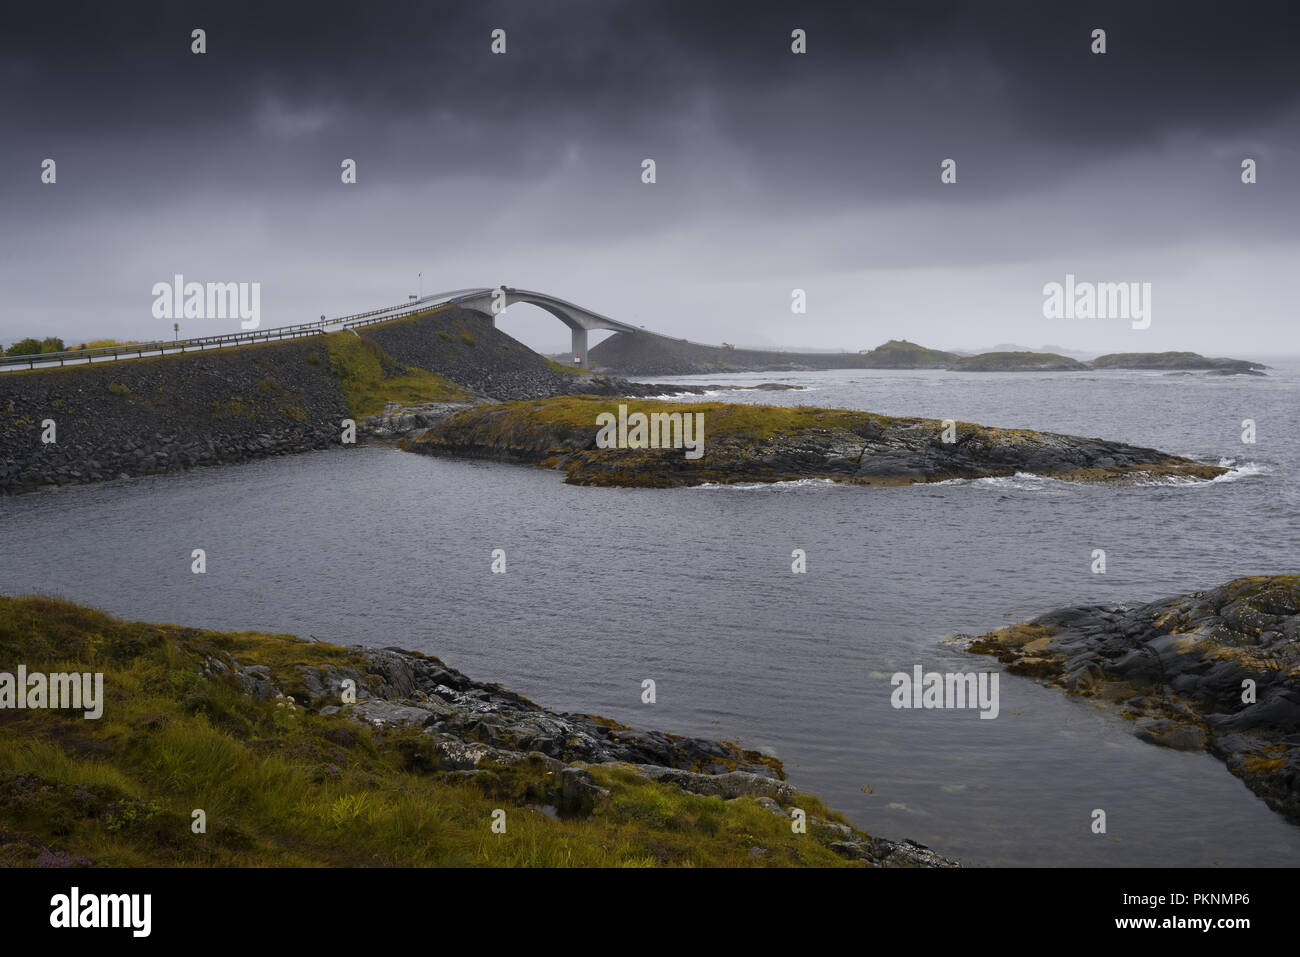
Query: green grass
point(724, 419)
point(283, 784)
point(370, 379)
point(103, 344)
point(561, 367)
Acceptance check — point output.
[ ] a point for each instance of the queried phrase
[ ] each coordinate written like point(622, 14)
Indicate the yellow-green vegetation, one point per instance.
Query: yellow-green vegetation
point(234, 408)
point(284, 785)
point(561, 367)
point(754, 423)
point(118, 389)
point(1025, 648)
point(105, 344)
point(370, 379)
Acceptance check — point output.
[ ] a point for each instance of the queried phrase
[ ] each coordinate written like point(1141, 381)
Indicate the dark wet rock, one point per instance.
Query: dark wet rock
point(578, 791)
point(1217, 670)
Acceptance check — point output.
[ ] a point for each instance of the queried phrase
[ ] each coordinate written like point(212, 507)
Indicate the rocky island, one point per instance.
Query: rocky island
point(1017, 362)
point(901, 354)
point(758, 443)
point(1182, 361)
point(636, 354)
point(302, 753)
point(1215, 670)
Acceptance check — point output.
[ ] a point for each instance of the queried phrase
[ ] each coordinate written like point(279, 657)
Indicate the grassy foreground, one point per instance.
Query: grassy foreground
point(282, 784)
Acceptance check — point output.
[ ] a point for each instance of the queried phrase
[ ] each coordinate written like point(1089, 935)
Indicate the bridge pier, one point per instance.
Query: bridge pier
point(579, 347)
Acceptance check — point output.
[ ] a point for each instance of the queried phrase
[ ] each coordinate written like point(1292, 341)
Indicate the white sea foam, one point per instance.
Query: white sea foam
point(768, 486)
point(1020, 482)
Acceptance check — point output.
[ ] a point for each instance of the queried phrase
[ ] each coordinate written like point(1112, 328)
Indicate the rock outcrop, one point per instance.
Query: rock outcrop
point(1177, 360)
point(467, 725)
point(1217, 670)
point(754, 443)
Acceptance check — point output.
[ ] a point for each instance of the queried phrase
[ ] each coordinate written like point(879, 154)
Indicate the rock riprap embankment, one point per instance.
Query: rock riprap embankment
point(1217, 670)
point(167, 414)
point(757, 443)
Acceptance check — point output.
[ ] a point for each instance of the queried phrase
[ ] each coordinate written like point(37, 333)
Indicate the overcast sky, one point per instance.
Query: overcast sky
point(775, 171)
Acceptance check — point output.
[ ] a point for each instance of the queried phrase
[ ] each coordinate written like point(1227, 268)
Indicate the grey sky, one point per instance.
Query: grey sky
point(775, 171)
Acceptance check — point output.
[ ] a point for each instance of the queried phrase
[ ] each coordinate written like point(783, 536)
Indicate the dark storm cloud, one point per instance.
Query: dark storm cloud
point(771, 166)
point(1007, 84)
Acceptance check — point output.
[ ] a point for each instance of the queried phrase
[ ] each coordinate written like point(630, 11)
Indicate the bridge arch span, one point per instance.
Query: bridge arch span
point(580, 321)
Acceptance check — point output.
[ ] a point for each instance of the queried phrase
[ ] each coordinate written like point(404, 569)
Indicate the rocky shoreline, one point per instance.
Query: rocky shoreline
point(284, 740)
point(1215, 670)
point(753, 443)
point(469, 724)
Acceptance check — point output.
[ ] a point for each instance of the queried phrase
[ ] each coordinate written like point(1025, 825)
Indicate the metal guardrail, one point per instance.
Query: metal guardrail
point(138, 350)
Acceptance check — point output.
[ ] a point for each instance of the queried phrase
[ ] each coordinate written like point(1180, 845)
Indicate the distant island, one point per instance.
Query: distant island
point(1017, 362)
point(901, 354)
point(636, 354)
point(1181, 361)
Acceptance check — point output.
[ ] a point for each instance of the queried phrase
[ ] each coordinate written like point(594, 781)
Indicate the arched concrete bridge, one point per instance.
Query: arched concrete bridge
point(580, 321)
point(487, 302)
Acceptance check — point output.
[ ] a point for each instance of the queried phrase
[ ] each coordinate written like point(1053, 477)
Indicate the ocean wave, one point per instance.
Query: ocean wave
point(1244, 470)
point(1235, 474)
point(1021, 481)
point(763, 486)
